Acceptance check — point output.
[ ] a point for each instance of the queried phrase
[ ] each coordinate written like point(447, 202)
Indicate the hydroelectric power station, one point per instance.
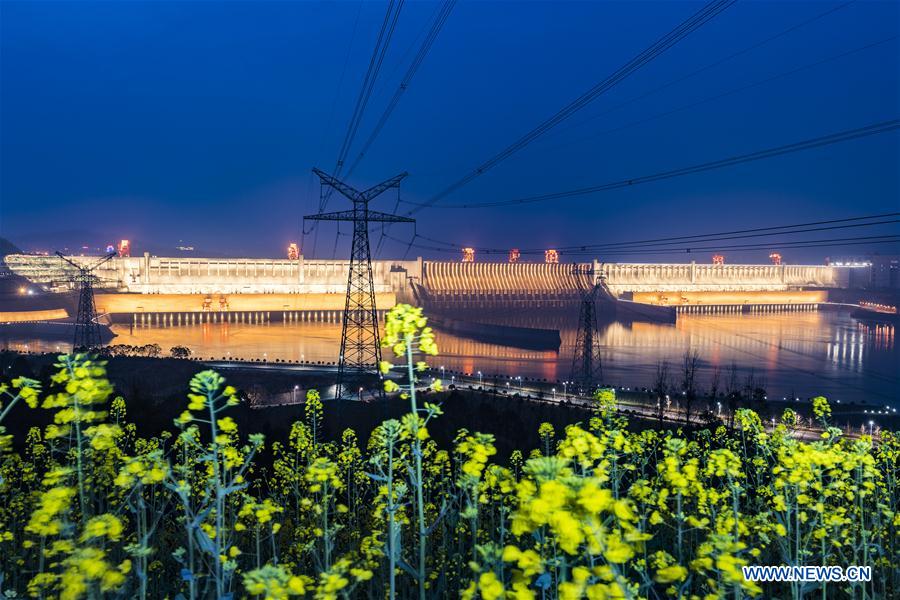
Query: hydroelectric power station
point(198, 289)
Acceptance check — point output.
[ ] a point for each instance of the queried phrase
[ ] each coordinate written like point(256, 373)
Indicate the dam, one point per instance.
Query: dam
point(292, 289)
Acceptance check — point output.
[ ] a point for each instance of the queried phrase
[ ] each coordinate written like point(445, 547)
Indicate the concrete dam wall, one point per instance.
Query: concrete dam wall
point(160, 275)
point(203, 284)
point(693, 277)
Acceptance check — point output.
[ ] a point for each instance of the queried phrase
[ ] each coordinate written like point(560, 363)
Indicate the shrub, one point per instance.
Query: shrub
point(89, 508)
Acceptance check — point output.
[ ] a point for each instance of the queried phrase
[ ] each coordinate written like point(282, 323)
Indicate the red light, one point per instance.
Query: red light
point(718, 259)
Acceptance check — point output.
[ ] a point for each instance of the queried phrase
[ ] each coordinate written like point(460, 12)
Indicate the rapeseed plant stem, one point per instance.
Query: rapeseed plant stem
point(417, 456)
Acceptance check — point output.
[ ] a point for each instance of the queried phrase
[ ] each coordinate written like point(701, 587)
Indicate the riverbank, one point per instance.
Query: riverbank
point(155, 391)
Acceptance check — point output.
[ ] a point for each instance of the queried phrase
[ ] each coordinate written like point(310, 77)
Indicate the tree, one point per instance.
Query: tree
point(689, 363)
point(256, 395)
point(755, 391)
point(661, 387)
point(180, 351)
point(733, 391)
point(714, 383)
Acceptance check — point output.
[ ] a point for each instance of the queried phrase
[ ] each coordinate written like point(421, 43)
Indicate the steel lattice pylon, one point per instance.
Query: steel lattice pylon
point(360, 338)
point(587, 371)
point(87, 325)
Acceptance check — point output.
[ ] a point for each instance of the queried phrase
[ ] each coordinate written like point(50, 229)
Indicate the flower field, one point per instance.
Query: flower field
point(90, 509)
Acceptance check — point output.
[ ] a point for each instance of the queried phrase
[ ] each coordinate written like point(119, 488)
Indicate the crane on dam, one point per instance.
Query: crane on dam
point(87, 325)
point(360, 338)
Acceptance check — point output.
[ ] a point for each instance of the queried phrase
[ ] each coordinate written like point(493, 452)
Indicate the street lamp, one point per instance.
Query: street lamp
point(565, 390)
point(870, 427)
point(480, 379)
point(554, 394)
point(718, 408)
point(294, 394)
point(442, 372)
point(359, 395)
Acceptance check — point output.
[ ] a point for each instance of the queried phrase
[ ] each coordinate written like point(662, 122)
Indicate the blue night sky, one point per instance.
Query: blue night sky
point(200, 121)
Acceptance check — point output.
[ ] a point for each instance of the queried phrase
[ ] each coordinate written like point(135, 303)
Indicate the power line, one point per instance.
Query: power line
point(714, 64)
point(337, 94)
point(361, 97)
point(385, 34)
point(791, 229)
point(390, 23)
point(721, 94)
point(436, 26)
point(817, 142)
point(706, 237)
point(771, 228)
point(340, 87)
point(798, 244)
point(697, 20)
point(736, 237)
point(787, 244)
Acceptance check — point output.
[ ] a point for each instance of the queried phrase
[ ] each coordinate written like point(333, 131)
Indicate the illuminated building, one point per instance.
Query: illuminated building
point(293, 252)
point(775, 258)
point(124, 248)
point(551, 256)
point(468, 255)
point(514, 255)
point(718, 259)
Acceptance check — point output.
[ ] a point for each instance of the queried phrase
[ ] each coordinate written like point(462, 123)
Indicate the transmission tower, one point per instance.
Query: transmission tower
point(360, 339)
point(87, 325)
point(587, 372)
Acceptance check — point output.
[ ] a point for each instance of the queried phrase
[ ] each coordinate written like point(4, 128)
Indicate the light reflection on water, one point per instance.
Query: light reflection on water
point(800, 353)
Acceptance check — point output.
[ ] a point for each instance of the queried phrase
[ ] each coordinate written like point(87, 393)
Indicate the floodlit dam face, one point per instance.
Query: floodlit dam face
point(159, 284)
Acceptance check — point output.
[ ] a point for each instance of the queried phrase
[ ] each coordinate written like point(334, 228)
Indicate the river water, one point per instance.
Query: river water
point(802, 354)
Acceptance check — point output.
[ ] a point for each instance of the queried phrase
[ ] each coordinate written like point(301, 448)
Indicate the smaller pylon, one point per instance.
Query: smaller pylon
point(587, 371)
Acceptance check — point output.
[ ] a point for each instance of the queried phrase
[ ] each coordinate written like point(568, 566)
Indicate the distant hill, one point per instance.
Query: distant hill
point(73, 242)
point(7, 247)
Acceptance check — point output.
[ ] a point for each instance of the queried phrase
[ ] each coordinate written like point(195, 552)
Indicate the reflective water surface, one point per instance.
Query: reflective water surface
point(803, 354)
